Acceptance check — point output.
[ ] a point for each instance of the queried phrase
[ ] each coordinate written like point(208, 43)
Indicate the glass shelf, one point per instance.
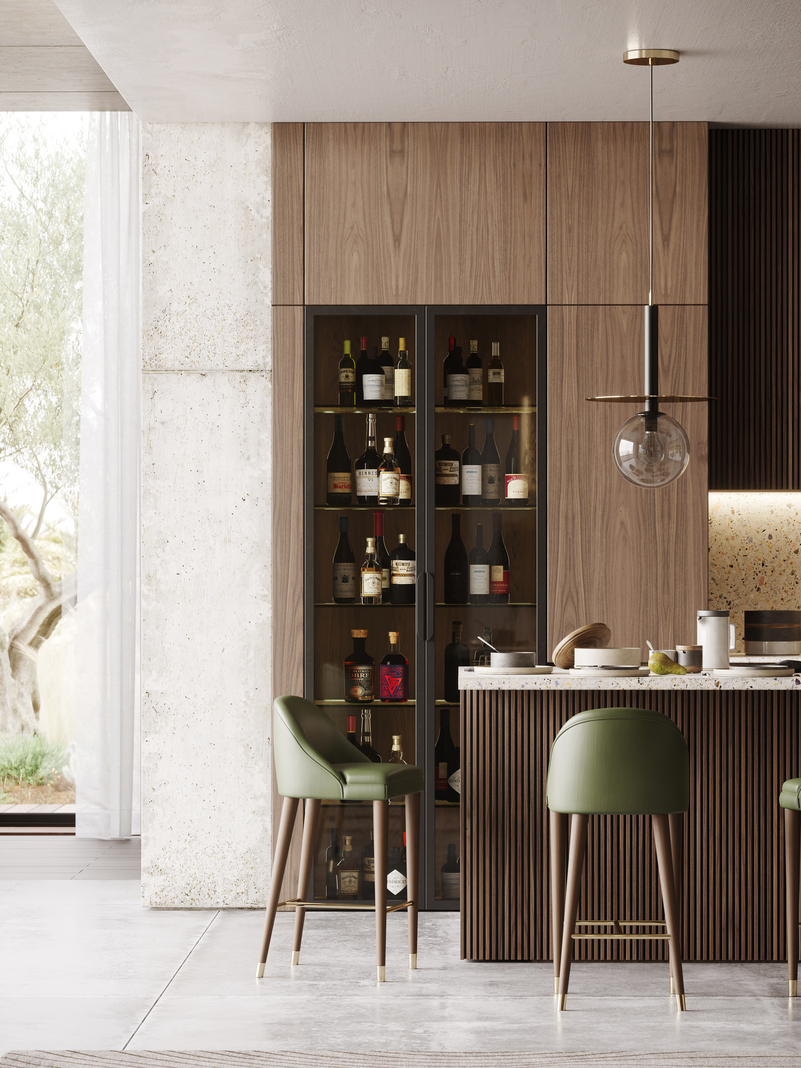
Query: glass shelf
point(356, 604)
point(364, 704)
point(485, 508)
point(389, 410)
point(365, 508)
point(508, 409)
point(502, 604)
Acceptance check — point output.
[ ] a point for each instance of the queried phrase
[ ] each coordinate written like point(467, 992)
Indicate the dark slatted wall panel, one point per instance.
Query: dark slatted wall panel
point(743, 745)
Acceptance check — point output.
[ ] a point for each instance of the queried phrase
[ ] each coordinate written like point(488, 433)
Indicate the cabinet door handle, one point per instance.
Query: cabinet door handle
point(429, 606)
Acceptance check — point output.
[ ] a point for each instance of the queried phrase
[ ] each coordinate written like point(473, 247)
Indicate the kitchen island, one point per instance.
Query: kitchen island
point(744, 739)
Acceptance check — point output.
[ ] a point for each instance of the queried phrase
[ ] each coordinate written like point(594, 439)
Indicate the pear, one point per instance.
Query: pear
point(663, 665)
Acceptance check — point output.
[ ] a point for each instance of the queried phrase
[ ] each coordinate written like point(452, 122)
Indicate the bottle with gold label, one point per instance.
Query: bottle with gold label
point(371, 576)
point(359, 671)
point(403, 377)
point(348, 870)
point(368, 870)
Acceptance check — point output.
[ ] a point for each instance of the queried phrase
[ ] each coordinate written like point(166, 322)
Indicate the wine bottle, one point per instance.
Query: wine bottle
point(396, 875)
point(396, 756)
point(388, 364)
point(339, 486)
point(456, 655)
point(445, 368)
point(366, 468)
point(370, 576)
point(359, 671)
point(490, 466)
point(388, 477)
point(456, 566)
point(471, 470)
point(482, 656)
point(348, 870)
point(404, 458)
point(332, 857)
point(403, 377)
point(495, 378)
point(373, 381)
point(479, 569)
point(381, 555)
point(393, 673)
point(367, 737)
point(344, 567)
point(446, 760)
point(516, 474)
point(362, 367)
point(368, 870)
point(446, 475)
point(450, 876)
point(498, 560)
point(351, 732)
point(347, 378)
point(475, 374)
point(457, 381)
point(402, 577)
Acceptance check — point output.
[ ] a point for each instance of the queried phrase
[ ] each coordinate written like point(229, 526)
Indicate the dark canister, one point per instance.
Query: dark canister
point(773, 633)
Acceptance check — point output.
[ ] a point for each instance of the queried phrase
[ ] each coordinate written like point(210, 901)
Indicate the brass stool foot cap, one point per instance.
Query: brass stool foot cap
point(295, 956)
point(793, 988)
point(556, 984)
point(259, 971)
point(563, 1002)
point(412, 962)
point(382, 973)
point(682, 1002)
point(672, 986)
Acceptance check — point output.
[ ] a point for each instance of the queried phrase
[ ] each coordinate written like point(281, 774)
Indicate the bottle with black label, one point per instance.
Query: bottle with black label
point(348, 870)
point(388, 364)
point(396, 875)
point(359, 671)
point(344, 567)
point(475, 375)
point(456, 566)
point(404, 460)
point(366, 745)
point(347, 378)
point(495, 378)
point(339, 486)
point(446, 475)
point(371, 589)
point(402, 578)
point(457, 381)
point(381, 555)
point(366, 468)
point(332, 857)
point(393, 673)
point(404, 397)
point(479, 569)
point(368, 870)
point(516, 473)
point(450, 876)
point(388, 477)
point(498, 560)
point(490, 466)
point(446, 761)
point(362, 367)
point(471, 470)
point(456, 655)
point(446, 366)
point(373, 381)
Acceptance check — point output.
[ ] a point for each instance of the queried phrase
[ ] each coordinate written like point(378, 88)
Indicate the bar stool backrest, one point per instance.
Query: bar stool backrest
point(306, 743)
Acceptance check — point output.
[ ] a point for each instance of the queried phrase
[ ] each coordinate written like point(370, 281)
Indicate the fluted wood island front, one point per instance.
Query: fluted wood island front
point(744, 739)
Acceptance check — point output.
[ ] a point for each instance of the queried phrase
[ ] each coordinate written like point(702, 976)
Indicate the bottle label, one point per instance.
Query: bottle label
point(499, 579)
point(371, 583)
point(368, 872)
point(388, 483)
point(344, 580)
point(389, 383)
point(385, 579)
point(455, 781)
point(458, 387)
point(450, 884)
point(446, 472)
point(403, 572)
point(491, 480)
point(373, 386)
point(347, 377)
point(405, 487)
point(471, 480)
point(495, 374)
point(349, 882)
point(475, 389)
point(517, 487)
point(396, 882)
point(479, 579)
point(339, 482)
point(393, 682)
point(367, 482)
point(359, 682)
point(403, 382)
point(441, 777)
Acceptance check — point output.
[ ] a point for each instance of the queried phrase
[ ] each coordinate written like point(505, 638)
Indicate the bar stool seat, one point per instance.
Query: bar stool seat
point(790, 796)
point(378, 782)
point(790, 801)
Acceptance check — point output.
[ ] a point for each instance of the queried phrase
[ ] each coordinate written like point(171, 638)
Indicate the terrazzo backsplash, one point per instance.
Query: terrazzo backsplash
point(754, 558)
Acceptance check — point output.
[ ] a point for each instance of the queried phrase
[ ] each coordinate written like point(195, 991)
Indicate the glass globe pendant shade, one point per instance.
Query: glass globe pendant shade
point(651, 450)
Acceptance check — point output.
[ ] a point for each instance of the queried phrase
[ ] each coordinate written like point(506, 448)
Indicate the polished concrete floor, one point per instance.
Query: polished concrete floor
point(84, 966)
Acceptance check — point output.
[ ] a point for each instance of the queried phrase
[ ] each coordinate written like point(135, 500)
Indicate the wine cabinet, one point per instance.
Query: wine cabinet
point(511, 613)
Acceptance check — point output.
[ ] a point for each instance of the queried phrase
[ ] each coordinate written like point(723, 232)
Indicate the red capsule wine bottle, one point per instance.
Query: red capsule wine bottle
point(479, 570)
point(490, 467)
point(516, 473)
point(475, 375)
point(471, 470)
point(381, 555)
point(344, 567)
point(339, 486)
point(498, 560)
point(456, 566)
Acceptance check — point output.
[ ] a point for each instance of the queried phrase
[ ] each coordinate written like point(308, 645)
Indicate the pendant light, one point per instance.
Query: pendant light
point(651, 449)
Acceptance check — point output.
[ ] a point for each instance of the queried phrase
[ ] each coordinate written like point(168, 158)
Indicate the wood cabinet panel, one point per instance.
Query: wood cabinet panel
point(287, 218)
point(598, 213)
point(438, 213)
point(633, 558)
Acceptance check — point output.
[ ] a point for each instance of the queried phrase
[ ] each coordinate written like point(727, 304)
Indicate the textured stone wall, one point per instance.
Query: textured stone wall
point(206, 514)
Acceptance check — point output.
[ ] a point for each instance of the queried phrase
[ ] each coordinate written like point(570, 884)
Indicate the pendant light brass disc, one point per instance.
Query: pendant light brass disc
point(651, 57)
point(641, 398)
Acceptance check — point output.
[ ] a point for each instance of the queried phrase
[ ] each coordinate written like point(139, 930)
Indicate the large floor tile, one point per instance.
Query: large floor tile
point(69, 1022)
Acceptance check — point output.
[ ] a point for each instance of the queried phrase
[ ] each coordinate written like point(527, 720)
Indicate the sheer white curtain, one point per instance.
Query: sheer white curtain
point(107, 757)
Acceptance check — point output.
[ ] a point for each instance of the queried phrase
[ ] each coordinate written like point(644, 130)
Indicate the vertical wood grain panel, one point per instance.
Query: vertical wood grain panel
point(438, 213)
point(598, 213)
point(287, 212)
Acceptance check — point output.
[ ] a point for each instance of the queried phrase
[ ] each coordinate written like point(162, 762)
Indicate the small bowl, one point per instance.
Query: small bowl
point(508, 660)
point(607, 657)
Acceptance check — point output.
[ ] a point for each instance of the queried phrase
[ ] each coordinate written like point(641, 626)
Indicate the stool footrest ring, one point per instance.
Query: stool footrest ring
point(298, 904)
point(620, 923)
point(663, 937)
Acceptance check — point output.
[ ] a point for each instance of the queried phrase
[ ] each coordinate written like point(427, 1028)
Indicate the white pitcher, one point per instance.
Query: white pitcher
point(716, 635)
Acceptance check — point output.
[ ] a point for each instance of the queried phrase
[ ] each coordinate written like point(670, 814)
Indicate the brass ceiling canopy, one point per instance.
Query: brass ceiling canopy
point(651, 57)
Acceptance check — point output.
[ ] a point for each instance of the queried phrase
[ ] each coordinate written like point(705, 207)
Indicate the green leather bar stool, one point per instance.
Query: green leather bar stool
point(790, 801)
point(315, 762)
point(616, 761)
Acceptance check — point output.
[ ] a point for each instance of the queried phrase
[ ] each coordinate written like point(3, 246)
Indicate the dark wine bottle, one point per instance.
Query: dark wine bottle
point(402, 577)
point(373, 381)
point(366, 468)
point(393, 673)
point(456, 566)
point(471, 470)
point(446, 761)
point(381, 555)
point(450, 875)
point(458, 381)
point(446, 475)
point(339, 487)
point(388, 477)
point(388, 364)
point(359, 671)
point(490, 466)
point(498, 560)
point(347, 378)
point(475, 375)
point(404, 398)
point(445, 368)
point(404, 458)
point(516, 473)
point(371, 578)
point(368, 870)
point(351, 732)
point(344, 567)
point(479, 569)
point(367, 737)
point(362, 367)
point(348, 869)
point(495, 378)
point(456, 655)
point(332, 857)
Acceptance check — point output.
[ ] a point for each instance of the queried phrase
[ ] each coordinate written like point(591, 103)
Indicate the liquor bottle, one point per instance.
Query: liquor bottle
point(402, 577)
point(446, 475)
point(495, 378)
point(359, 671)
point(388, 477)
point(347, 378)
point(456, 566)
point(362, 367)
point(370, 576)
point(498, 560)
point(351, 732)
point(490, 467)
point(450, 876)
point(388, 364)
point(479, 570)
point(373, 381)
point(381, 555)
point(471, 470)
point(332, 858)
point(445, 369)
point(366, 745)
point(458, 381)
point(366, 468)
point(446, 760)
point(403, 377)
point(396, 875)
point(456, 655)
point(404, 458)
point(516, 474)
point(338, 481)
point(368, 870)
point(344, 567)
point(348, 870)
point(396, 756)
point(481, 656)
point(393, 673)
point(475, 375)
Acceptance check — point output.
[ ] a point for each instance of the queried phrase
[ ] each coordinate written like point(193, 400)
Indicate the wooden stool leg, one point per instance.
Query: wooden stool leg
point(412, 870)
point(288, 813)
point(558, 858)
point(664, 858)
point(575, 866)
point(380, 835)
point(310, 819)
point(676, 823)
point(792, 848)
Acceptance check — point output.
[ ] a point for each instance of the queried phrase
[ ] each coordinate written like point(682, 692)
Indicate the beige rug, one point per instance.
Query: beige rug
point(223, 1059)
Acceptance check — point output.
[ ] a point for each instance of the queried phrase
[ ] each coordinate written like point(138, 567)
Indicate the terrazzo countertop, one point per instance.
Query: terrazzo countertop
point(563, 680)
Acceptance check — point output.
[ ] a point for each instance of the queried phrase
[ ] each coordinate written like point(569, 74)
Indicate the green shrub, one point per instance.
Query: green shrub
point(29, 758)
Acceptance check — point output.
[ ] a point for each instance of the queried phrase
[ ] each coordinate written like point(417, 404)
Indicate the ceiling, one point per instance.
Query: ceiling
point(337, 60)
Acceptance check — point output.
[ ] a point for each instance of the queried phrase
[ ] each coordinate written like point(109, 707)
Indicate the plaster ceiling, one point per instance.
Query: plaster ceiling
point(349, 60)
